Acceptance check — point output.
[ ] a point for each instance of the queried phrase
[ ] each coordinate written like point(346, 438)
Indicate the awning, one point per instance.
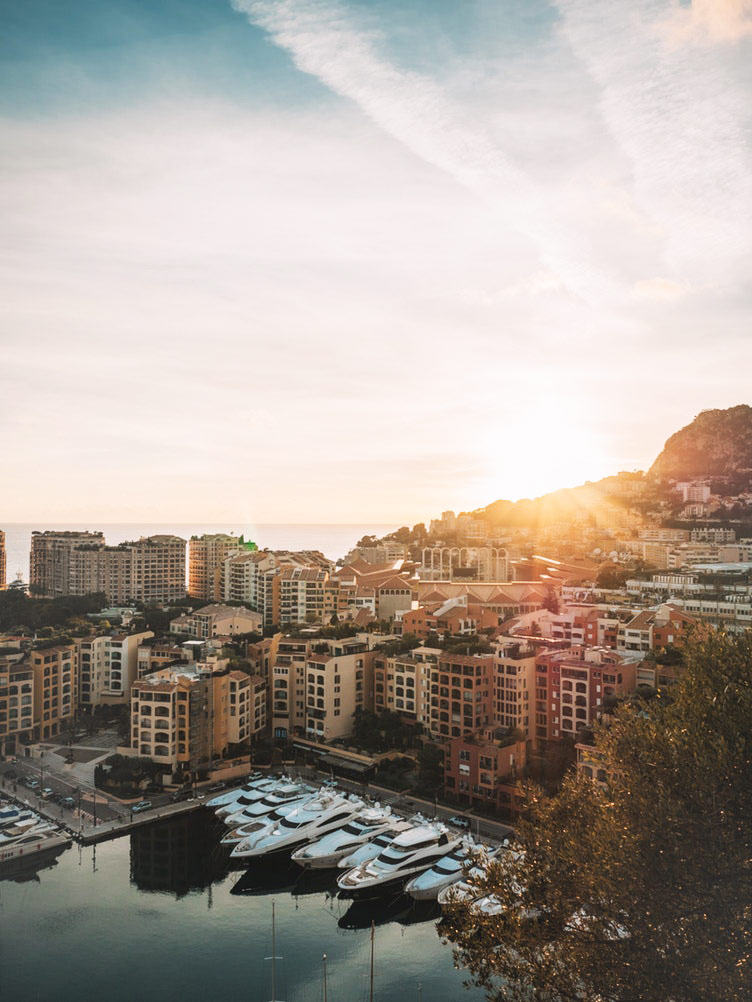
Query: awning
point(335, 762)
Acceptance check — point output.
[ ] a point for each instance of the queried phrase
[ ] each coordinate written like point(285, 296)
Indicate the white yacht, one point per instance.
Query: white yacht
point(448, 870)
point(327, 851)
point(377, 845)
point(31, 841)
point(248, 797)
point(288, 794)
point(14, 816)
point(326, 812)
point(409, 853)
point(253, 781)
point(235, 835)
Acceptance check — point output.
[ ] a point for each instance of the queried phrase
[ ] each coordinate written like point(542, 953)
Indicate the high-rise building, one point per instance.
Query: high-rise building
point(51, 552)
point(55, 688)
point(107, 667)
point(206, 557)
point(16, 702)
point(150, 569)
point(3, 561)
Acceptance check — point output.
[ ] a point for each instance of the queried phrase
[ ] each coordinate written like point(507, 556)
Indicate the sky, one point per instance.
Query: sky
point(353, 260)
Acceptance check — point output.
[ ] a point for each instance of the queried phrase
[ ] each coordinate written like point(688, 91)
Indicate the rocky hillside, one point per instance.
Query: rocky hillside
point(716, 443)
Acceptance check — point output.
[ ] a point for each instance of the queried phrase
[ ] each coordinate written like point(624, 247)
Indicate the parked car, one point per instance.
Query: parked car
point(33, 784)
point(181, 795)
point(47, 792)
point(459, 822)
point(68, 802)
point(142, 805)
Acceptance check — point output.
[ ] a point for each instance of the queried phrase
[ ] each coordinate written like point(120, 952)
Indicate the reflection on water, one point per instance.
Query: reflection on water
point(164, 908)
point(22, 870)
point(178, 855)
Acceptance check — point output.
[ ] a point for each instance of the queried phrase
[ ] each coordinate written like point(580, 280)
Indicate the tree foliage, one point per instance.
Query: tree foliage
point(17, 610)
point(642, 891)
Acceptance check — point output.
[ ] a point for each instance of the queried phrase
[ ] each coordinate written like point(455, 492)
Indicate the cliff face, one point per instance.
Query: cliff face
point(716, 443)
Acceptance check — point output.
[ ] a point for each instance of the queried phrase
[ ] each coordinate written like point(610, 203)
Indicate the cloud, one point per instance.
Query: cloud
point(325, 40)
point(710, 21)
point(680, 116)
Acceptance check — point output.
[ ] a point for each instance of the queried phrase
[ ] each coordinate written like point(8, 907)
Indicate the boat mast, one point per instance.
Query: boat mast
point(371, 992)
point(324, 960)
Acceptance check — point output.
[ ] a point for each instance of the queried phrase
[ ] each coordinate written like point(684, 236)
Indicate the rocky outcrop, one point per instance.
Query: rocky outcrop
point(717, 443)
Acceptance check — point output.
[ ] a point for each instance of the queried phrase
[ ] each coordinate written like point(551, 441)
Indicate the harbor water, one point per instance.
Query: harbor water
point(159, 915)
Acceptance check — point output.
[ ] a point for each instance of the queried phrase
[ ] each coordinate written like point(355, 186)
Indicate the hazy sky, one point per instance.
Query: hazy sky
point(352, 260)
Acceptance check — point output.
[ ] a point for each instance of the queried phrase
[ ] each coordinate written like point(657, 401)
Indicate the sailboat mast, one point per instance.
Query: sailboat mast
point(324, 959)
point(371, 992)
point(274, 957)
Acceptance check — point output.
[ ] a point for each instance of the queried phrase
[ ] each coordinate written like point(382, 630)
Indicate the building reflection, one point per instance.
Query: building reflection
point(177, 855)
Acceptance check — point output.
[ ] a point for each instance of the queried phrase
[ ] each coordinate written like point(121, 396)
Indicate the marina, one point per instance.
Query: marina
point(166, 908)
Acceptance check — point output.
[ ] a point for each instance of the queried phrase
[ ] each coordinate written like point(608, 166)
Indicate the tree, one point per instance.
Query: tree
point(611, 576)
point(640, 891)
point(551, 601)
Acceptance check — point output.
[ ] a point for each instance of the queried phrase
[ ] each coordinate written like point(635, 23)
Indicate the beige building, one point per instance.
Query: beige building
point(16, 703)
point(107, 667)
point(3, 562)
point(206, 557)
point(217, 621)
point(188, 717)
point(514, 686)
point(338, 682)
point(288, 687)
point(50, 560)
point(55, 688)
point(401, 683)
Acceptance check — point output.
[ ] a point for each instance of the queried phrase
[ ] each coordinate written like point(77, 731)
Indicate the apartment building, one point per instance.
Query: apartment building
point(402, 682)
point(339, 681)
point(150, 657)
point(482, 769)
point(107, 667)
point(652, 629)
point(217, 621)
point(50, 561)
point(17, 711)
point(571, 685)
point(151, 569)
point(187, 717)
point(298, 595)
point(55, 688)
point(514, 686)
point(3, 562)
point(288, 687)
point(206, 557)
point(461, 697)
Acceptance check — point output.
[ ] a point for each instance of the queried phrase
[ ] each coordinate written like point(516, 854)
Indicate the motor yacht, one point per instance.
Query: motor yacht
point(409, 853)
point(448, 870)
point(272, 799)
point(245, 797)
point(235, 835)
point(32, 841)
point(326, 812)
point(327, 851)
point(14, 816)
point(230, 796)
point(377, 845)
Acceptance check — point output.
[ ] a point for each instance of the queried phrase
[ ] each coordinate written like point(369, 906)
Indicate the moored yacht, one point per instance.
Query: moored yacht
point(248, 797)
point(448, 870)
point(326, 812)
point(32, 841)
point(377, 845)
point(327, 851)
point(288, 794)
point(255, 780)
point(409, 853)
point(244, 831)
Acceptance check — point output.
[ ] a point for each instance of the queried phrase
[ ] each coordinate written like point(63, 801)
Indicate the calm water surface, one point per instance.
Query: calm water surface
point(159, 916)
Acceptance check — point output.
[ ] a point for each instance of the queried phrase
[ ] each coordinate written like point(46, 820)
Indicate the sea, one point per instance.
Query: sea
point(159, 916)
point(334, 540)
